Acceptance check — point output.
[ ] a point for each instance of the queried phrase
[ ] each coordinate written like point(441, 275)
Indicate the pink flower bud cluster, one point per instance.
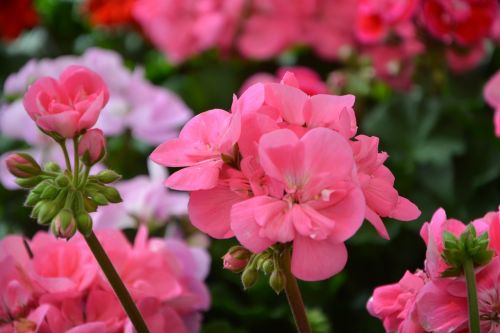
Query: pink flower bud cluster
point(425, 301)
point(284, 166)
point(56, 286)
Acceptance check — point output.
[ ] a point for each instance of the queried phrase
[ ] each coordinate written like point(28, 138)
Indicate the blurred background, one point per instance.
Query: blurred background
point(417, 69)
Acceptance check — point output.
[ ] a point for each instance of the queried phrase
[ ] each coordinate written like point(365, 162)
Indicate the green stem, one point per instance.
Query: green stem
point(85, 175)
point(76, 161)
point(293, 295)
point(470, 277)
point(117, 284)
point(66, 155)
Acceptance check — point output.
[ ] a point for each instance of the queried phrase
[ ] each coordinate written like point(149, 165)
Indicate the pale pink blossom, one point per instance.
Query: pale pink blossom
point(68, 106)
point(394, 304)
point(377, 182)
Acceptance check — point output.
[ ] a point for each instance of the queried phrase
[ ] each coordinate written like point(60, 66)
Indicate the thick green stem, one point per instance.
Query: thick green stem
point(85, 176)
point(293, 295)
point(117, 284)
point(470, 277)
point(76, 161)
point(66, 155)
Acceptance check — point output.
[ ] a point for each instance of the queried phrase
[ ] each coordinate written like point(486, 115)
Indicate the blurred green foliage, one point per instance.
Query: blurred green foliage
point(439, 137)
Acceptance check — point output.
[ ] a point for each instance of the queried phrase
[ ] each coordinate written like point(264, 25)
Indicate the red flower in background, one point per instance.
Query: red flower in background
point(110, 12)
point(15, 16)
point(466, 22)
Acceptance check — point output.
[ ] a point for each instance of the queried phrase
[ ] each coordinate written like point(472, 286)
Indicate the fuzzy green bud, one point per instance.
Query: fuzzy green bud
point(277, 280)
point(249, 277)
point(47, 212)
point(108, 176)
point(84, 223)
point(52, 167)
point(29, 182)
point(112, 194)
point(50, 192)
point(62, 180)
point(268, 266)
point(32, 199)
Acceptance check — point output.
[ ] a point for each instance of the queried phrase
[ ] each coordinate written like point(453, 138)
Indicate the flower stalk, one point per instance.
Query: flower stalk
point(470, 278)
point(293, 294)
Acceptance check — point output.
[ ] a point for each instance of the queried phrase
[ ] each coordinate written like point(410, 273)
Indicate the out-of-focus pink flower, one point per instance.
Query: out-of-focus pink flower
point(68, 106)
point(375, 18)
point(493, 220)
point(274, 25)
point(377, 182)
point(432, 234)
point(92, 146)
point(145, 201)
point(330, 32)
point(464, 60)
point(466, 22)
point(184, 28)
point(59, 289)
point(394, 304)
point(443, 311)
point(317, 213)
point(491, 93)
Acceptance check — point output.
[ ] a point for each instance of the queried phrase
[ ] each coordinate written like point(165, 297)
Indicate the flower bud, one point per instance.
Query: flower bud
point(48, 210)
point(90, 205)
point(99, 199)
point(249, 277)
point(62, 181)
point(92, 147)
point(52, 167)
point(277, 280)
point(268, 266)
point(231, 263)
point(29, 182)
point(32, 199)
point(84, 223)
point(112, 194)
point(108, 176)
point(50, 192)
point(64, 224)
point(22, 165)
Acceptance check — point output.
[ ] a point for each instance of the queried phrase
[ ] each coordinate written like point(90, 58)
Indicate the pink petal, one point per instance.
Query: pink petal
point(271, 214)
point(405, 210)
point(210, 210)
point(91, 114)
point(64, 123)
point(202, 176)
point(314, 260)
point(178, 153)
point(289, 100)
point(31, 100)
point(376, 221)
point(491, 91)
point(246, 228)
point(78, 80)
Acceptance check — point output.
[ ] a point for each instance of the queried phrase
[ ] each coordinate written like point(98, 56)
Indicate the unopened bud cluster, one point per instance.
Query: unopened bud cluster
point(238, 259)
point(468, 246)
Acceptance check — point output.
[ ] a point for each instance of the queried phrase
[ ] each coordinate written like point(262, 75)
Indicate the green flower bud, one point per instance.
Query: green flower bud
point(108, 176)
point(29, 182)
point(268, 266)
point(99, 199)
point(249, 277)
point(32, 199)
point(64, 224)
point(277, 280)
point(90, 206)
point(41, 187)
point(52, 167)
point(36, 210)
point(62, 180)
point(50, 192)
point(47, 212)
point(112, 194)
point(84, 223)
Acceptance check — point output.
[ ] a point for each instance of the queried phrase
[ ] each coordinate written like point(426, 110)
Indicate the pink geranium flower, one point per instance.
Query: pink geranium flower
point(68, 106)
point(395, 304)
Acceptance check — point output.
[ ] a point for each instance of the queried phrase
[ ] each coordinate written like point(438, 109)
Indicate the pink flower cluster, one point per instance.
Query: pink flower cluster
point(425, 301)
point(55, 286)
point(284, 166)
point(384, 30)
point(153, 114)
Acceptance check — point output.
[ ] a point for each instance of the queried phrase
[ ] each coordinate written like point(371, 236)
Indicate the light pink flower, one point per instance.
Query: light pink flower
point(491, 93)
point(394, 304)
point(68, 106)
point(377, 182)
point(200, 146)
point(182, 29)
point(317, 212)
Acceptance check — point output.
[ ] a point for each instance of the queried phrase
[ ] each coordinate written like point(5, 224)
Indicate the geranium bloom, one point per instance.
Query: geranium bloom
point(60, 288)
point(15, 16)
point(279, 169)
point(466, 22)
point(394, 304)
point(68, 106)
point(184, 28)
point(491, 93)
